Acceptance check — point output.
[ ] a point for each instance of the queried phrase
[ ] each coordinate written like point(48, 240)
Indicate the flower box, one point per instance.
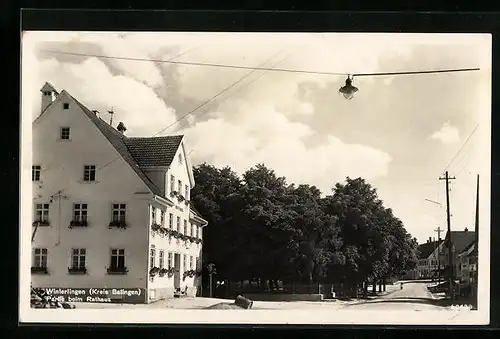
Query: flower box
point(188, 274)
point(180, 197)
point(173, 193)
point(154, 271)
point(41, 223)
point(156, 227)
point(117, 270)
point(77, 270)
point(39, 270)
point(118, 224)
point(78, 223)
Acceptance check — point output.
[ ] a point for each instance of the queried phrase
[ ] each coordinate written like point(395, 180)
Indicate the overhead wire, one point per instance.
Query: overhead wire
point(203, 104)
point(461, 148)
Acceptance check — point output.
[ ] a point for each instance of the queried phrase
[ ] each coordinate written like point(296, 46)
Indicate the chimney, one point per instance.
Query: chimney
point(466, 230)
point(121, 128)
point(49, 94)
point(430, 240)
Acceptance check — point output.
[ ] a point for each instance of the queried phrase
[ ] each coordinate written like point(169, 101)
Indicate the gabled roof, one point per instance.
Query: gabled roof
point(461, 239)
point(137, 152)
point(155, 151)
point(118, 140)
point(425, 250)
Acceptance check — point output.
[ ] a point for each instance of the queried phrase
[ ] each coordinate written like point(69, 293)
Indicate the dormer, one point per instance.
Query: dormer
point(49, 94)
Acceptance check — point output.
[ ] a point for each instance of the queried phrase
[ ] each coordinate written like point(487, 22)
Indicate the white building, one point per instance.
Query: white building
point(111, 213)
point(429, 264)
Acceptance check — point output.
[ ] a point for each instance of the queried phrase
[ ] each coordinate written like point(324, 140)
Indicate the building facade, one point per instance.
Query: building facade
point(112, 218)
point(429, 265)
point(461, 241)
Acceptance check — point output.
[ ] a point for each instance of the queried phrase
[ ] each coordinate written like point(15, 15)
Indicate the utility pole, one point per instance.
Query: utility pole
point(450, 244)
point(476, 226)
point(438, 254)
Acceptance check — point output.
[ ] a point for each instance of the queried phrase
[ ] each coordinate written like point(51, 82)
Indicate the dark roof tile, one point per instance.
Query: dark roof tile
point(154, 151)
point(425, 250)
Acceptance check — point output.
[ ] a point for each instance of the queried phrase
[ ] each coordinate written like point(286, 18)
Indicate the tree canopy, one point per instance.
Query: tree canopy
point(261, 227)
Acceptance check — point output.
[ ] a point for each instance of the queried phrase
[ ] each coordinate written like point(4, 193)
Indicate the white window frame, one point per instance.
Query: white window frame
point(178, 224)
point(89, 173)
point(162, 218)
point(172, 183)
point(121, 210)
point(185, 227)
point(170, 259)
point(36, 173)
point(42, 213)
point(153, 215)
point(152, 257)
point(80, 254)
point(161, 259)
point(186, 192)
point(184, 262)
point(116, 254)
point(171, 221)
point(179, 185)
point(191, 262)
point(80, 212)
point(40, 257)
point(180, 158)
point(65, 105)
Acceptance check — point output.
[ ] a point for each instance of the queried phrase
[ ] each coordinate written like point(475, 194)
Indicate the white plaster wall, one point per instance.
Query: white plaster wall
point(62, 164)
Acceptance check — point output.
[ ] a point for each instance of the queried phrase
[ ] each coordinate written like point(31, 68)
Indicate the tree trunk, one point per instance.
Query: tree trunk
point(380, 286)
point(365, 288)
point(384, 282)
point(374, 285)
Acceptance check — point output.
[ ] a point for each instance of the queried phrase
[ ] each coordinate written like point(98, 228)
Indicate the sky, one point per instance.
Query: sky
point(400, 133)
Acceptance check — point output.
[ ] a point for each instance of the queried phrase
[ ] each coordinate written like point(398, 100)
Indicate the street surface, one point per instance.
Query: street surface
point(414, 296)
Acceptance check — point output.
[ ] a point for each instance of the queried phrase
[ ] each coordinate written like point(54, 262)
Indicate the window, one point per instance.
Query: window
point(47, 93)
point(36, 170)
point(65, 133)
point(197, 264)
point(184, 262)
point(161, 259)
point(169, 261)
point(78, 259)
point(197, 232)
point(65, 105)
point(179, 184)
point(185, 227)
point(42, 214)
point(192, 230)
point(40, 257)
point(186, 192)
point(162, 218)
point(89, 173)
point(117, 260)
point(178, 224)
point(172, 183)
point(79, 215)
point(118, 214)
point(152, 258)
point(170, 220)
point(190, 262)
point(180, 158)
point(153, 215)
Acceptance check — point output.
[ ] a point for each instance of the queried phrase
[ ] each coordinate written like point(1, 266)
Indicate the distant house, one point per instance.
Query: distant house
point(467, 266)
point(428, 259)
point(462, 250)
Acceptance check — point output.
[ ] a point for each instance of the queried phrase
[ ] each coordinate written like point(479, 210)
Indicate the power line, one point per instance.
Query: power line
point(217, 95)
point(203, 104)
point(461, 148)
point(196, 63)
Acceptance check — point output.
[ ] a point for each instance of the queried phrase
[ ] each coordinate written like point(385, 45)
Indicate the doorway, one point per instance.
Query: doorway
point(177, 271)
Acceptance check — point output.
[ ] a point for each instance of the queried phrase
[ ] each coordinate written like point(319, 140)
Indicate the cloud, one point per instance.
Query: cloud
point(447, 134)
point(260, 134)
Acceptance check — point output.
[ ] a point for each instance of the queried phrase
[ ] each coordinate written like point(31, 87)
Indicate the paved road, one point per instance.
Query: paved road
point(413, 296)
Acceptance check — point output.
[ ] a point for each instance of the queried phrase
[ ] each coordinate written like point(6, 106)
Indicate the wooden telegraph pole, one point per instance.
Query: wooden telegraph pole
point(450, 244)
point(437, 244)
